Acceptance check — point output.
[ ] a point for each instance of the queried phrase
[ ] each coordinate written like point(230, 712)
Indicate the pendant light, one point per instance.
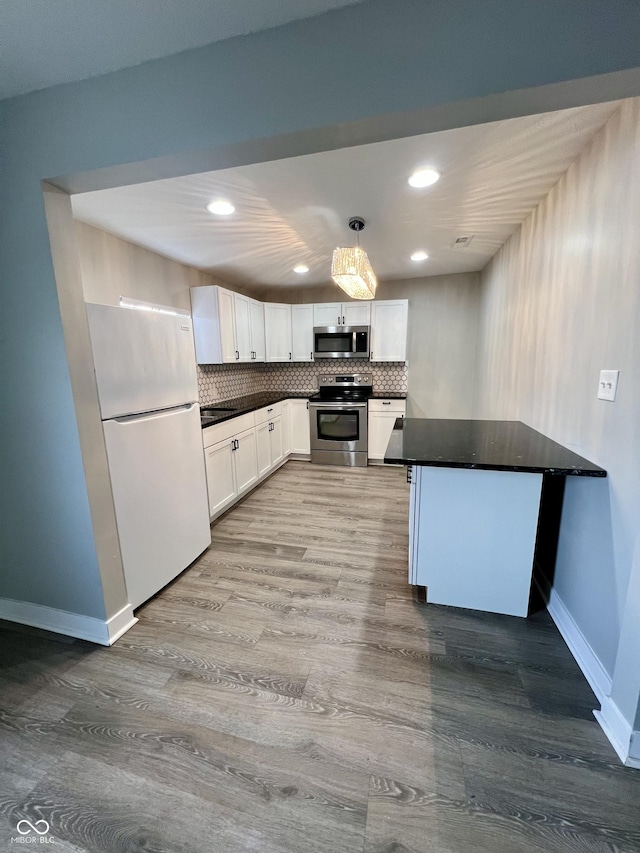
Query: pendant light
point(350, 267)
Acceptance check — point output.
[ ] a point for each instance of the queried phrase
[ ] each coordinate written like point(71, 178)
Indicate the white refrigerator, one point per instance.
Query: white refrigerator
point(147, 384)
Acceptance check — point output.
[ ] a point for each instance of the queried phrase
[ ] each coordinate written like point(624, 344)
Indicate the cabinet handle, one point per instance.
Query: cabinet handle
point(307, 404)
point(339, 323)
point(269, 410)
point(289, 356)
point(343, 321)
point(409, 472)
point(237, 355)
point(386, 402)
point(311, 356)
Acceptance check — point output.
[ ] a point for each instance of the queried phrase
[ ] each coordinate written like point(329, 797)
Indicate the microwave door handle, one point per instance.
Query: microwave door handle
point(354, 344)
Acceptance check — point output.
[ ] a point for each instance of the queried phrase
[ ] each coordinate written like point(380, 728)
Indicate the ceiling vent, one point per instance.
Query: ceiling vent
point(463, 241)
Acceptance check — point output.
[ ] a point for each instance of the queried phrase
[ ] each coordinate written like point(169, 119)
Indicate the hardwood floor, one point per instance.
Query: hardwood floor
point(287, 693)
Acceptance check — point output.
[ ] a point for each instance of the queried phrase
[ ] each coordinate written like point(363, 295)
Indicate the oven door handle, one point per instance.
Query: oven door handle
point(334, 404)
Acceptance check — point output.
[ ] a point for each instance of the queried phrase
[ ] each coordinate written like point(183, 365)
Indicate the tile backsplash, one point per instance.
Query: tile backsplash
point(225, 381)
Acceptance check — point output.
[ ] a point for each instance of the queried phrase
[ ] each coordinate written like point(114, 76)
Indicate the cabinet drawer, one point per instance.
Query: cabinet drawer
point(268, 413)
point(388, 406)
point(227, 429)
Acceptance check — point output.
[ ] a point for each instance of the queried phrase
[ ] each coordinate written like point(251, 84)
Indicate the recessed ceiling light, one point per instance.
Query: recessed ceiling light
point(419, 256)
point(221, 208)
point(301, 269)
point(424, 177)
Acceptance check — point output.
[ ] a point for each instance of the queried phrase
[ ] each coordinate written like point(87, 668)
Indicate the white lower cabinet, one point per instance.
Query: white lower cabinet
point(275, 441)
point(245, 460)
point(232, 468)
point(241, 451)
point(286, 427)
point(382, 416)
point(300, 430)
point(264, 448)
point(220, 478)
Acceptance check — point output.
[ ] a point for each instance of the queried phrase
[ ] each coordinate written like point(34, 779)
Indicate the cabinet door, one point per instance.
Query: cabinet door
point(220, 475)
point(356, 313)
point(206, 324)
point(243, 327)
point(256, 316)
point(245, 458)
point(300, 429)
point(263, 448)
point(277, 327)
point(380, 428)
point(286, 427)
point(227, 325)
point(275, 441)
point(327, 314)
point(389, 330)
point(302, 332)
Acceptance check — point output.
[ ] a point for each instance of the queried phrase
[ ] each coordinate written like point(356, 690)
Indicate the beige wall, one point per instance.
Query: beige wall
point(112, 267)
point(443, 322)
point(561, 301)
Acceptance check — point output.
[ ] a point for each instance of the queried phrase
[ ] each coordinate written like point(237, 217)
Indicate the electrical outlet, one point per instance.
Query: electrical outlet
point(608, 385)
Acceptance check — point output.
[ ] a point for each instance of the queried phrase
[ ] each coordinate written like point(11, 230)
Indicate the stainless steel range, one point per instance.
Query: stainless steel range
point(338, 419)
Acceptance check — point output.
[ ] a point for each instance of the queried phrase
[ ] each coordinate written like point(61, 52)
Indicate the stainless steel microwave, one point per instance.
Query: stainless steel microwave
point(341, 341)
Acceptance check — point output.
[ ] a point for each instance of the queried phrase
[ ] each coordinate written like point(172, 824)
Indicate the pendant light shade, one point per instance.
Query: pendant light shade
point(351, 270)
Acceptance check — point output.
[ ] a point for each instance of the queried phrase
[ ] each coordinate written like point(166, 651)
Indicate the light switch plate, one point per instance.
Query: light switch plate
point(608, 385)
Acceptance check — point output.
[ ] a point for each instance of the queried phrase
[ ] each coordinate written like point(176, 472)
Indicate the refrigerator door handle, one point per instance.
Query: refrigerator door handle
point(143, 416)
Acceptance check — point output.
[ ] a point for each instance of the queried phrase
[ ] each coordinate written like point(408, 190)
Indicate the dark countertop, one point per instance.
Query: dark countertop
point(489, 445)
point(249, 403)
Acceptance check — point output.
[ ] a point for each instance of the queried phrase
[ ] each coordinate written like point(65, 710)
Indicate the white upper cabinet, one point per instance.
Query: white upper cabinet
point(302, 332)
point(342, 314)
point(389, 330)
point(227, 326)
point(256, 318)
point(356, 313)
point(327, 314)
point(243, 327)
point(277, 327)
point(213, 314)
point(230, 327)
point(249, 322)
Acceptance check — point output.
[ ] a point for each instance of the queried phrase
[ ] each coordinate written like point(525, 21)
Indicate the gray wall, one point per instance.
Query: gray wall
point(347, 76)
point(561, 302)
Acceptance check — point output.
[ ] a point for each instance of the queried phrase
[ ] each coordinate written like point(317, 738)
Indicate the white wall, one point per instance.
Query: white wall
point(561, 301)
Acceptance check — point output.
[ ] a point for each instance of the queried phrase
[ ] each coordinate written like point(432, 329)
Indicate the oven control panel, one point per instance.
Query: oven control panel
point(344, 380)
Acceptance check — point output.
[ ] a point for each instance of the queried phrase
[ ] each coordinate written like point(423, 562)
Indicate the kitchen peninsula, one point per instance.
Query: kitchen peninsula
point(477, 494)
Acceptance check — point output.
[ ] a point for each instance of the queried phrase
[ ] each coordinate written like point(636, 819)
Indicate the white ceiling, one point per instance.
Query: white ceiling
point(296, 210)
point(46, 42)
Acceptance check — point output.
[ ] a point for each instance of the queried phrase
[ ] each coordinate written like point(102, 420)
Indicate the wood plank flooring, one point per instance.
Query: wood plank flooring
point(287, 694)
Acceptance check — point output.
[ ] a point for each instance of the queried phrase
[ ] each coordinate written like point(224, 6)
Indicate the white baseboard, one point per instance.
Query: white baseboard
point(611, 721)
point(634, 751)
point(120, 623)
point(590, 664)
point(616, 728)
point(103, 632)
